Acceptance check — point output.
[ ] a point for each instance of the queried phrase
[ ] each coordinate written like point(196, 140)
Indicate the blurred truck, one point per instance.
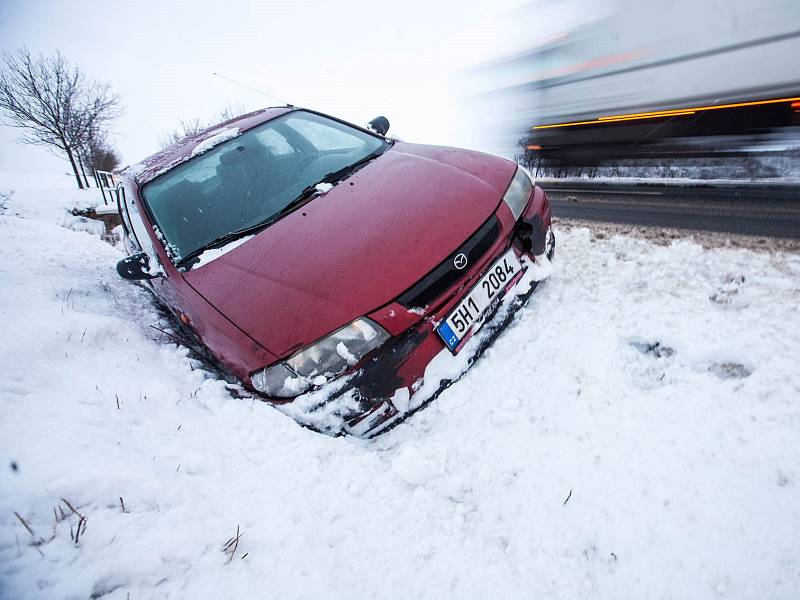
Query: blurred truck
point(632, 78)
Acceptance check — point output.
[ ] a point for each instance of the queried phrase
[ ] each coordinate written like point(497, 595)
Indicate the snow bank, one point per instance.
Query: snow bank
point(578, 458)
point(47, 197)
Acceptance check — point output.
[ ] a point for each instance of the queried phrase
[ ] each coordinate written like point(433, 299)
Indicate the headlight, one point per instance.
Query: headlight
point(315, 364)
point(518, 193)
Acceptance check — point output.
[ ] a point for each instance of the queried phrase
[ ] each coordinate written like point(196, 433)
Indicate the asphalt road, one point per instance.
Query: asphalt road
point(751, 210)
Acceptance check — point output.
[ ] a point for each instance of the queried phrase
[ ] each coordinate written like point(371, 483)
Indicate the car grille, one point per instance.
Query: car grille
point(435, 283)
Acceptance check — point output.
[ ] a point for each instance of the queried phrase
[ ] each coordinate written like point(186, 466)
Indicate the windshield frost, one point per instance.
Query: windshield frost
point(250, 179)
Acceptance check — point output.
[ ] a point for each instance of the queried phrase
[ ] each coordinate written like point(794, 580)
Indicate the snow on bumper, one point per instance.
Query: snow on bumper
point(410, 370)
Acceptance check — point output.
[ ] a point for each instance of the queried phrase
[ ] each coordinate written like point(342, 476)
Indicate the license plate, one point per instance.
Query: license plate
point(476, 303)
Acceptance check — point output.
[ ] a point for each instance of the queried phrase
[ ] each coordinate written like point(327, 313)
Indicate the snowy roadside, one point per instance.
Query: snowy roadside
point(788, 181)
point(664, 236)
point(632, 434)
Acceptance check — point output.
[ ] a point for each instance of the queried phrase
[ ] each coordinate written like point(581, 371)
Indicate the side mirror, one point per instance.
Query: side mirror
point(379, 125)
point(135, 267)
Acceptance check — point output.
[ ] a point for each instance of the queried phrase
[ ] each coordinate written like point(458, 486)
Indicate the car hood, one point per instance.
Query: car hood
point(357, 247)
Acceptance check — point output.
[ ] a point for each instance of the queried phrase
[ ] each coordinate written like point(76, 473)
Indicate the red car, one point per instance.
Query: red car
point(331, 268)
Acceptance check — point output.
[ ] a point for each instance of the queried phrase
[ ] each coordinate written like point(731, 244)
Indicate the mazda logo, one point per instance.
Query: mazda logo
point(460, 260)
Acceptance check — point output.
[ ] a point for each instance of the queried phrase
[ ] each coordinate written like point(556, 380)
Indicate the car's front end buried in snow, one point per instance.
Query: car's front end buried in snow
point(343, 276)
point(413, 367)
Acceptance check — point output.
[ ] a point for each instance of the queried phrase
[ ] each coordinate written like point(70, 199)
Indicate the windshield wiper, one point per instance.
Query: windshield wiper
point(338, 175)
point(304, 196)
point(226, 239)
point(333, 177)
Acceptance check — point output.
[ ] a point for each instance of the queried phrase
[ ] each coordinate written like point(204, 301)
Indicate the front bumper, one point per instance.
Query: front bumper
point(422, 351)
point(414, 366)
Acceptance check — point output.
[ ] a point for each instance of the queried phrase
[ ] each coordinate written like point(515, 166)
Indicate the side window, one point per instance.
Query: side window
point(138, 234)
point(119, 195)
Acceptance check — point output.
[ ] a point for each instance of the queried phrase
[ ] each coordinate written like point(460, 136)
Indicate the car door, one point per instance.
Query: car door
point(228, 343)
point(138, 239)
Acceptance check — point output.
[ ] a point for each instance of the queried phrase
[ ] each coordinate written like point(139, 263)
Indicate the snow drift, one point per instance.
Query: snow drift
point(632, 434)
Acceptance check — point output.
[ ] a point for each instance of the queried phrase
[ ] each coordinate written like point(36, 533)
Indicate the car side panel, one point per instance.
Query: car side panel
point(230, 345)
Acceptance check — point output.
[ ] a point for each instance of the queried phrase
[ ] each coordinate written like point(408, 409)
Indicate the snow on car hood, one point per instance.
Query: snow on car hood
point(357, 247)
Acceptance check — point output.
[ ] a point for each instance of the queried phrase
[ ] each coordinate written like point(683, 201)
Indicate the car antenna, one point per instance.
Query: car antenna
point(250, 87)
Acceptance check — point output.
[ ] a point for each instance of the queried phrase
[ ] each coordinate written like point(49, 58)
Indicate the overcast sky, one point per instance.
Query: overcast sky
point(354, 59)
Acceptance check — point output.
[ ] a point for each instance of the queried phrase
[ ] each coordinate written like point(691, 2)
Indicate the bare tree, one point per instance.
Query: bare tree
point(231, 110)
point(192, 127)
point(98, 154)
point(54, 105)
point(186, 129)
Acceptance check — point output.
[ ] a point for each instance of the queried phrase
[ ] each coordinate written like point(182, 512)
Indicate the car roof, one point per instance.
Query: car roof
point(170, 157)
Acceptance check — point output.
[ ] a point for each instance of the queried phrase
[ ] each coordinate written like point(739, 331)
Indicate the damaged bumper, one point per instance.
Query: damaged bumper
point(441, 368)
point(412, 369)
point(415, 366)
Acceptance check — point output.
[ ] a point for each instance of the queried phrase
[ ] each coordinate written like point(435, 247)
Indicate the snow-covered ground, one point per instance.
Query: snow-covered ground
point(633, 434)
point(789, 182)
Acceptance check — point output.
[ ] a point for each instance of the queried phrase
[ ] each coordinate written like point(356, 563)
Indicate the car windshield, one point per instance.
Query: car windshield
point(253, 179)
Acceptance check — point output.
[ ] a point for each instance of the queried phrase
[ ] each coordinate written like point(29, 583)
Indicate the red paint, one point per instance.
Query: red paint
point(346, 254)
point(358, 247)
